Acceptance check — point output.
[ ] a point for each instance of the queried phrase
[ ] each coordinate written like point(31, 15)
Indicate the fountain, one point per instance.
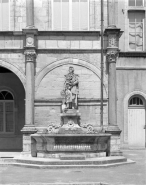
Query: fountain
point(72, 139)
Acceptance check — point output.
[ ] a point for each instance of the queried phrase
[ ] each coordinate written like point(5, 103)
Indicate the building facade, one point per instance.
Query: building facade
point(41, 39)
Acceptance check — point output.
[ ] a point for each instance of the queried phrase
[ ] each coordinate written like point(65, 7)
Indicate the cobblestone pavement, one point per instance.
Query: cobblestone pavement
point(131, 174)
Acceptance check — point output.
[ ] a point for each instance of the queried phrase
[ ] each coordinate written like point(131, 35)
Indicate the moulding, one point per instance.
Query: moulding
point(81, 102)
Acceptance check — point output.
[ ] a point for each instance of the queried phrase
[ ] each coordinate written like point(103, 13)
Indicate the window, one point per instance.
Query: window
point(136, 101)
point(4, 15)
point(70, 15)
point(6, 112)
point(136, 27)
point(135, 2)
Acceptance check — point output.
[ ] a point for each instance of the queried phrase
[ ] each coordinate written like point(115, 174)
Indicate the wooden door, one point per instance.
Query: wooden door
point(136, 131)
point(136, 122)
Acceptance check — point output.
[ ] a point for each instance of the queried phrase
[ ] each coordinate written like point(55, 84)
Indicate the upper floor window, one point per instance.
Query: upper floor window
point(4, 15)
point(136, 2)
point(70, 15)
point(136, 30)
point(6, 112)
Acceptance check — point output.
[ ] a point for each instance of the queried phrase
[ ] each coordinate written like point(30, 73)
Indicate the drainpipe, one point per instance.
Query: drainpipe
point(102, 67)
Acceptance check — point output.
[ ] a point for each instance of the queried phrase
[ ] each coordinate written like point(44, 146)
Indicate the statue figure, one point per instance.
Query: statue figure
point(71, 90)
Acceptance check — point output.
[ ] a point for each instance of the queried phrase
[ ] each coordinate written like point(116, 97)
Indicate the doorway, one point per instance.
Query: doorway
point(12, 111)
point(136, 122)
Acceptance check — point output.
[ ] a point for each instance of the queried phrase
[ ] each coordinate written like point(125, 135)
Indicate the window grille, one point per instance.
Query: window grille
point(136, 101)
point(6, 112)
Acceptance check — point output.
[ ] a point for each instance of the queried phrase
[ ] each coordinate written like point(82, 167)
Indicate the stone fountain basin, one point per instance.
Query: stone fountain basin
point(49, 145)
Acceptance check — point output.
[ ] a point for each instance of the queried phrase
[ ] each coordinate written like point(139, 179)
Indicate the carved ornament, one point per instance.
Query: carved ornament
point(112, 41)
point(30, 55)
point(112, 56)
point(30, 41)
point(70, 126)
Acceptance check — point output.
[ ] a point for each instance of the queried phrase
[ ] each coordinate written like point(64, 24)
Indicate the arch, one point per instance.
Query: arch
point(126, 99)
point(20, 74)
point(72, 61)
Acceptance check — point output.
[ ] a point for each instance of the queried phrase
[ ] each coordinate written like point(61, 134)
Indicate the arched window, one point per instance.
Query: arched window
point(6, 112)
point(136, 101)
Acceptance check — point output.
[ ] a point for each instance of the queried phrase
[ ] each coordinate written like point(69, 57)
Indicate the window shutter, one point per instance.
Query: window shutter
point(75, 14)
point(83, 15)
point(57, 14)
point(65, 14)
point(5, 14)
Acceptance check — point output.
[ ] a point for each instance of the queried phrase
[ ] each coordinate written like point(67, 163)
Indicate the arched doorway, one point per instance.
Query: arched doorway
point(12, 111)
point(136, 122)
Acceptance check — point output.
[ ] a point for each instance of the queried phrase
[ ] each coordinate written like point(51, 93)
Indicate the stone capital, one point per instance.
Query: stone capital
point(113, 34)
point(112, 56)
point(30, 55)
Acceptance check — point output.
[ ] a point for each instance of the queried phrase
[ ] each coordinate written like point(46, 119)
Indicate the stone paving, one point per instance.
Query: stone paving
point(131, 174)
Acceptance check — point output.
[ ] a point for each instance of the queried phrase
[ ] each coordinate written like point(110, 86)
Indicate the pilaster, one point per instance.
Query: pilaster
point(113, 33)
point(30, 57)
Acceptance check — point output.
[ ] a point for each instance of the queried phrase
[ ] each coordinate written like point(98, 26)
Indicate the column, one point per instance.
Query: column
point(113, 33)
point(112, 12)
point(30, 13)
point(30, 58)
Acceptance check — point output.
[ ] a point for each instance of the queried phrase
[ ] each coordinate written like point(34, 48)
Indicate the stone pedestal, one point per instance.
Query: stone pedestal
point(70, 122)
point(28, 142)
point(115, 140)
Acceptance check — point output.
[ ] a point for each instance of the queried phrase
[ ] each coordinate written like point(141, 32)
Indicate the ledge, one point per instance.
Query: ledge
point(53, 33)
point(68, 50)
point(11, 33)
point(69, 33)
point(12, 50)
point(132, 54)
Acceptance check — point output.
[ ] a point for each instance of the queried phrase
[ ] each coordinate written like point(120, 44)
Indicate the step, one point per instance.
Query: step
point(90, 161)
point(72, 157)
point(71, 166)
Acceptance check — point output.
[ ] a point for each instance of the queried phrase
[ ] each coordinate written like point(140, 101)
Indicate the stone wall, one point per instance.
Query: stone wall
point(131, 75)
point(10, 82)
point(50, 84)
point(69, 42)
